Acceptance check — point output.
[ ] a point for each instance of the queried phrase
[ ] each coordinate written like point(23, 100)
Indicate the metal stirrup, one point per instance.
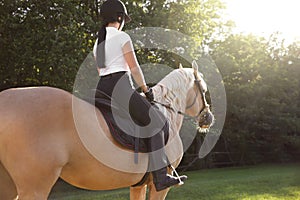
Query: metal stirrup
point(174, 170)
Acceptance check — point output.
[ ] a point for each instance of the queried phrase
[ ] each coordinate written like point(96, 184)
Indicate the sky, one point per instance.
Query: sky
point(264, 17)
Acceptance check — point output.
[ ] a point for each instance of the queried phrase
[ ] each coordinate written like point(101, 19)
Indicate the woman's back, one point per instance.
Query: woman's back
point(114, 55)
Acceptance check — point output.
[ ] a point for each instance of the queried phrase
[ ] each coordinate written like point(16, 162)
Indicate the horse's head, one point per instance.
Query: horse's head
point(197, 106)
point(186, 87)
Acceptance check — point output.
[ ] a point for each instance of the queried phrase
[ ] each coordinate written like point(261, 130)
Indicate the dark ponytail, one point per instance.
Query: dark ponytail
point(100, 57)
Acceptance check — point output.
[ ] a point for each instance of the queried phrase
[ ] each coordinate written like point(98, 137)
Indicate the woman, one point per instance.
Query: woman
point(116, 60)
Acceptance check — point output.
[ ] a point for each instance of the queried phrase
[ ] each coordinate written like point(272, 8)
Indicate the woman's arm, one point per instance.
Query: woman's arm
point(134, 66)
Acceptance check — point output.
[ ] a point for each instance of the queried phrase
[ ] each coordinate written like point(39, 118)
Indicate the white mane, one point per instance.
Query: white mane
point(172, 89)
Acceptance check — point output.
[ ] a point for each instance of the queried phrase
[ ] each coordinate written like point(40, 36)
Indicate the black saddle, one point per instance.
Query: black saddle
point(131, 141)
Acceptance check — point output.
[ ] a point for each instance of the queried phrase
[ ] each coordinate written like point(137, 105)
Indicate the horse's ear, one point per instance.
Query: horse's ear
point(195, 66)
point(180, 66)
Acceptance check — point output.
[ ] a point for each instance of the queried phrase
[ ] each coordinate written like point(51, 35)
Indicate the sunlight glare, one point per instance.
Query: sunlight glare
point(264, 17)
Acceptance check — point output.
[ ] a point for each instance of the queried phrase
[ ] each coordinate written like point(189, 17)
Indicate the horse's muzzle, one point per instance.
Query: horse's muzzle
point(206, 119)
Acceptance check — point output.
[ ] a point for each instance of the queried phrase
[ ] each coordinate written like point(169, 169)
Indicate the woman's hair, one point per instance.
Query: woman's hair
point(119, 17)
point(100, 57)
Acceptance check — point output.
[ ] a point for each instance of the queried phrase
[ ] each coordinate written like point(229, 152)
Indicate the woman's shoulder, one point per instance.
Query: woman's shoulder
point(124, 35)
point(115, 35)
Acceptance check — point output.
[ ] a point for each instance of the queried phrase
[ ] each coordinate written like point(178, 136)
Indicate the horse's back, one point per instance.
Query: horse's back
point(33, 100)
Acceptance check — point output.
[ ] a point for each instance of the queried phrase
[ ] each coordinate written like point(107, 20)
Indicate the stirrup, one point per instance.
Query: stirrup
point(177, 175)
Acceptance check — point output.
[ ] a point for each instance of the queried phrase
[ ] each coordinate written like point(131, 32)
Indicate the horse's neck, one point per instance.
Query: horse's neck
point(174, 99)
point(172, 90)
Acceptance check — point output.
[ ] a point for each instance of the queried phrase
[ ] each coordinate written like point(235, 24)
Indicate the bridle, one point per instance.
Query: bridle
point(199, 90)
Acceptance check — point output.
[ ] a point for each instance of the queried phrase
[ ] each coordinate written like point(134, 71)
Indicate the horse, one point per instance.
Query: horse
point(40, 139)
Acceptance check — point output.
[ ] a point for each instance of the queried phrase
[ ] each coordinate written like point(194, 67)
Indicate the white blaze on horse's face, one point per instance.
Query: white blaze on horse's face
point(197, 105)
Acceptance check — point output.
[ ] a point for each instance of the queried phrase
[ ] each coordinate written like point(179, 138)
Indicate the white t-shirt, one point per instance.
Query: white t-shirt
point(114, 58)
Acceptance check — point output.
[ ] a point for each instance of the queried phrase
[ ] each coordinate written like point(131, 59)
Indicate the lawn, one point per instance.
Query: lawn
point(280, 182)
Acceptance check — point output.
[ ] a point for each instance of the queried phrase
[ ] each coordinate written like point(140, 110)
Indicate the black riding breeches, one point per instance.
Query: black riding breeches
point(118, 86)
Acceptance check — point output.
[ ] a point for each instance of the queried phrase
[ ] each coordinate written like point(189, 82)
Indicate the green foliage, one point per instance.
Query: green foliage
point(198, 19)
point(43, 42)
point(262, 83)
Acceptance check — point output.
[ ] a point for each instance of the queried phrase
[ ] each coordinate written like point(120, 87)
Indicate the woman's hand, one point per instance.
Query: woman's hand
point(149, 95)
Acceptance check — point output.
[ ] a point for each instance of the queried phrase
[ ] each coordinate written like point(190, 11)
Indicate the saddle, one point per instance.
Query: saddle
point(120, 124)
point(103, 102)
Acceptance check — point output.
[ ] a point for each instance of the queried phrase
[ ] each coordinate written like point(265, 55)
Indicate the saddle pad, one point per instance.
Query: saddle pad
point(127, 140)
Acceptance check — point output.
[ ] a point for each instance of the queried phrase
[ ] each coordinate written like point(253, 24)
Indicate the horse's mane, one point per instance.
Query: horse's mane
point(175, 86)
point(178, 79)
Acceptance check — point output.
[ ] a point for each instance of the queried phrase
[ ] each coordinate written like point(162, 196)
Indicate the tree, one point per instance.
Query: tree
point(261, 82)
point(44, 43)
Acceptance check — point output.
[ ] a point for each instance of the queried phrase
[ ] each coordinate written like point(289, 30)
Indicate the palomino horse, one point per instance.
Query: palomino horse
point(39, 140)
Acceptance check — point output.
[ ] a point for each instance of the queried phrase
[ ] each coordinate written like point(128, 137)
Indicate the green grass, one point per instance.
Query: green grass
point(274, 182)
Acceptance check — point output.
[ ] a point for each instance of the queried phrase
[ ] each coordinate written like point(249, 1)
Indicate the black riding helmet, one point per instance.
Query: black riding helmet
point(112, 10)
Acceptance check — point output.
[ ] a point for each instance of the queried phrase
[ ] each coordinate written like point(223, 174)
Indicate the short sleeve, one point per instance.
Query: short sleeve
point(125, 38)
point(95, 48)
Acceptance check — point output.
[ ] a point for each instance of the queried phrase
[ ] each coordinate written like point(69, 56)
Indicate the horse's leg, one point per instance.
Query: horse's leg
point(154, 195)
point(34, 168)
point(138, 193)
point(35, 183)
point(7, 187)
